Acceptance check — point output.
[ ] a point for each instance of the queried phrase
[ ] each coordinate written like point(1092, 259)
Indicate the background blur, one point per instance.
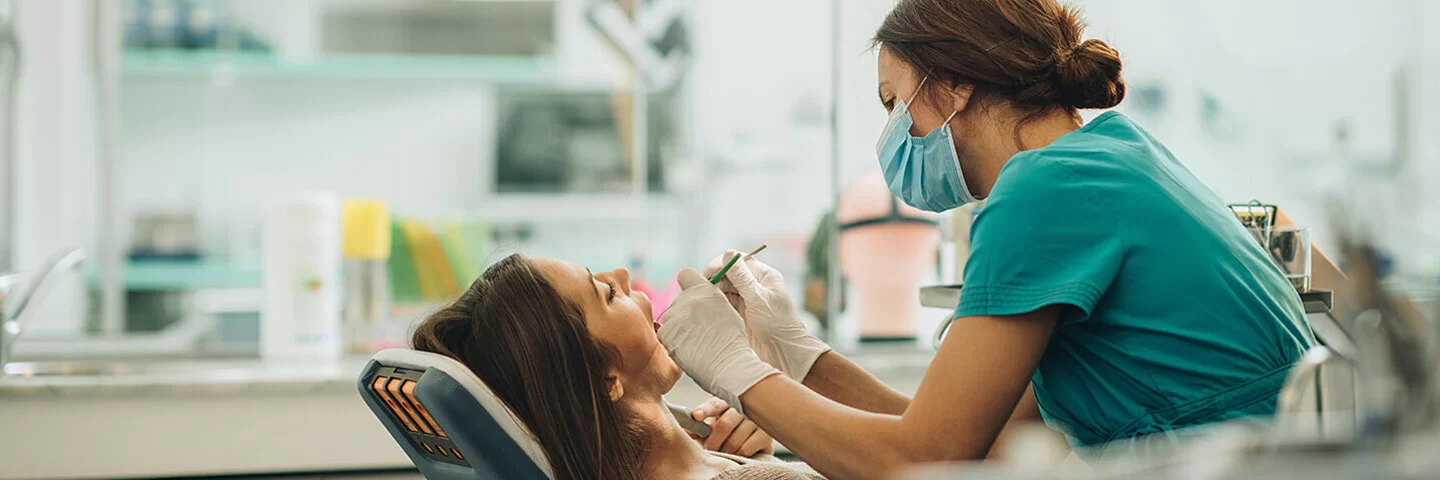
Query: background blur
point(156, 133)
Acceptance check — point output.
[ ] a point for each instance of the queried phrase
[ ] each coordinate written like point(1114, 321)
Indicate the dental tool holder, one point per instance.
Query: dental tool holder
point(1288, 246)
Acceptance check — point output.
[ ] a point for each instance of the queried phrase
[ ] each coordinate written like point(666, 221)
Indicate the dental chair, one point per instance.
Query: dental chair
point(450, 424)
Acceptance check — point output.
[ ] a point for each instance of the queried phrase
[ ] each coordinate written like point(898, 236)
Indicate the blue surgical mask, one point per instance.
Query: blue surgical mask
point(922, 171)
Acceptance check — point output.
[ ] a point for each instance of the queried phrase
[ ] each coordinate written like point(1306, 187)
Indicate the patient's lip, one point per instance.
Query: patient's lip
point(649, 308)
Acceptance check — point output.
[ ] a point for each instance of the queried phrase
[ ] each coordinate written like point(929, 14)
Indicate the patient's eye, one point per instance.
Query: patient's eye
point(611, 297)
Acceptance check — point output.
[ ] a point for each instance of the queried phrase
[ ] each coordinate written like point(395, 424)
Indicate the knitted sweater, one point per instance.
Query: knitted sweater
point(765, 467)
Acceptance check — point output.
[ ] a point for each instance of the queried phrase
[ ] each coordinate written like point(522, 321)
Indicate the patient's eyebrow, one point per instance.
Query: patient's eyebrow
point(594, 287)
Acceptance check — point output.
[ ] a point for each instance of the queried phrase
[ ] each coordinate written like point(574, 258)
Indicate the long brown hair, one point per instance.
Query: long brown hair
point(1028, 52)
point(531, 346)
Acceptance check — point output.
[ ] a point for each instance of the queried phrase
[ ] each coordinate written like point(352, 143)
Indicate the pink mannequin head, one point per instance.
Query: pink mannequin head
point(886, 248)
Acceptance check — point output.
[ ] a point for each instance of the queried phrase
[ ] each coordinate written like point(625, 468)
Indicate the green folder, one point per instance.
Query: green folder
point(404, 281)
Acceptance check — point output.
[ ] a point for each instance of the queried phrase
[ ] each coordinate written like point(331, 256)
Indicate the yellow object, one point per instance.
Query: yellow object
point(366, 231)
point(432, 267)
point(424, 269)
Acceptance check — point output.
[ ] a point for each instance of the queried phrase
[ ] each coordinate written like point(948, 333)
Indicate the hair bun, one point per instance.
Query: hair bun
point(1089, 76)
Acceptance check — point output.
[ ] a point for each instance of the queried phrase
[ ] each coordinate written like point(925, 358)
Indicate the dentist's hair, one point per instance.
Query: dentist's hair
point(531, 346)
point(1029, 52)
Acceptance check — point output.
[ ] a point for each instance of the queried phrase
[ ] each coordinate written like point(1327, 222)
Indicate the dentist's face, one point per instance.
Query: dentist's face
point(899, 82)
point(619, 317)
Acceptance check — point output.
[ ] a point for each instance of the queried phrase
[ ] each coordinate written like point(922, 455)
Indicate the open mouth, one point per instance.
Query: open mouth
point(649, 310)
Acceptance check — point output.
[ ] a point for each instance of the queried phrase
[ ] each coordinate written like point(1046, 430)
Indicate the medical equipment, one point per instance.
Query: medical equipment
point(690, 424)
point(1255, 215)
point(1288, 246)
point(451, 425)
point(721, 273)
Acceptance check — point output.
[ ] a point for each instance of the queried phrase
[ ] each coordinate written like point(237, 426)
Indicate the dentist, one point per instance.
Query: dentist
point(1108, 291)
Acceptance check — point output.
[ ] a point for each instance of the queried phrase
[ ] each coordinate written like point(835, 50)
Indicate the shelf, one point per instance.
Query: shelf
point(164, 275)
point(488, 69)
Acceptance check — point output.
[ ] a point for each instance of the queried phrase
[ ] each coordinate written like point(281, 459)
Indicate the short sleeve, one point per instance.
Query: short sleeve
point(1044, 237)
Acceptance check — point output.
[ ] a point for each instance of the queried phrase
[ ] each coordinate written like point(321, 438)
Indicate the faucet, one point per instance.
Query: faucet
point(12, 318)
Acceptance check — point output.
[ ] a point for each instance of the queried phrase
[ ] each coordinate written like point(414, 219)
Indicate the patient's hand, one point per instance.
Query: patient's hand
point(730, 432)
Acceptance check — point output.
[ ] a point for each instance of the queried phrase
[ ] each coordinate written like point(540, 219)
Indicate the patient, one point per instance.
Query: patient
point(575, 356)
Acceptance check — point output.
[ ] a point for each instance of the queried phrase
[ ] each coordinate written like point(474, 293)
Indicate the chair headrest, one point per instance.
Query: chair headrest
point(453, 415)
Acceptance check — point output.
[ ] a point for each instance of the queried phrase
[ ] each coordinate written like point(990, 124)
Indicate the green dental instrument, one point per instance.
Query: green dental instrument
point(721, 274)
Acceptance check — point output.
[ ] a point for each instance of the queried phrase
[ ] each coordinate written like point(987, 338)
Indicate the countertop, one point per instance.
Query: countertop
point(905, 364)
point(194, 377)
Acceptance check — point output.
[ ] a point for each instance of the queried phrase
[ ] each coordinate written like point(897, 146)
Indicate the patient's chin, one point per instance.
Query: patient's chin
point(671, 381)
point(666, 370)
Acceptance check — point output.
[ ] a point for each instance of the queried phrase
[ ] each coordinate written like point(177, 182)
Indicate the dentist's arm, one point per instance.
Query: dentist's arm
point(781, 339)
point(965, 399)
point(837, 378)
point(841, 380)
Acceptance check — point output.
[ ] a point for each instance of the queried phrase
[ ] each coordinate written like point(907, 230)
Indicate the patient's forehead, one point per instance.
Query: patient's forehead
point(571, 280)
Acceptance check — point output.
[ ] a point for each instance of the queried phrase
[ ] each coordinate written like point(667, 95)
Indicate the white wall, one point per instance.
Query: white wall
point(56, 180)
point(1426, 151)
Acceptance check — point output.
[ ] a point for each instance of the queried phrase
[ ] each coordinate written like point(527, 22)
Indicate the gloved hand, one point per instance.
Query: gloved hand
point(773, 328)
point(706, 337)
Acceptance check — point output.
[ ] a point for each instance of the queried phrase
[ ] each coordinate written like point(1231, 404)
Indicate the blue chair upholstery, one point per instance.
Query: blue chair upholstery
point(450, 424)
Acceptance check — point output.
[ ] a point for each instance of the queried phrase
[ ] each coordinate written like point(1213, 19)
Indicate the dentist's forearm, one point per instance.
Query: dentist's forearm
point(822, 433)
point(841, 380)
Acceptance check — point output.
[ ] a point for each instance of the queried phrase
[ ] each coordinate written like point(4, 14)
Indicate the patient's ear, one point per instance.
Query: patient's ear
point(616, 389)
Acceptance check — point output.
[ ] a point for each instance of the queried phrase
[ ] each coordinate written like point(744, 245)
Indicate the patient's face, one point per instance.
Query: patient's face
point(619, 317)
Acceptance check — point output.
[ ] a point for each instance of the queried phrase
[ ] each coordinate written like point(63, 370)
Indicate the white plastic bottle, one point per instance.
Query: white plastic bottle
point(301, 315)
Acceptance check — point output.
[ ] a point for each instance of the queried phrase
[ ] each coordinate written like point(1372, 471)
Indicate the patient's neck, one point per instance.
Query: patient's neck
point(670, 452)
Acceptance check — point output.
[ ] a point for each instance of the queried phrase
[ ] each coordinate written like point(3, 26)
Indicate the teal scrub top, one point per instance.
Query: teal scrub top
point(1179, 318)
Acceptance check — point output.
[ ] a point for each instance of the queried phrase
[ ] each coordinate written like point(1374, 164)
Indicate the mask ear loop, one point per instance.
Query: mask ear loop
point(911, 101)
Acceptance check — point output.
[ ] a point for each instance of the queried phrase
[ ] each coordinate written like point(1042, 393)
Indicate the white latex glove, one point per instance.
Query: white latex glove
point(773, 328)
point(706, 337)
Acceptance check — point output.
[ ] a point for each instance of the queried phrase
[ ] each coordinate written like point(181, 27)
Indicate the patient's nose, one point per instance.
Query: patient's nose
point(622, 276)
